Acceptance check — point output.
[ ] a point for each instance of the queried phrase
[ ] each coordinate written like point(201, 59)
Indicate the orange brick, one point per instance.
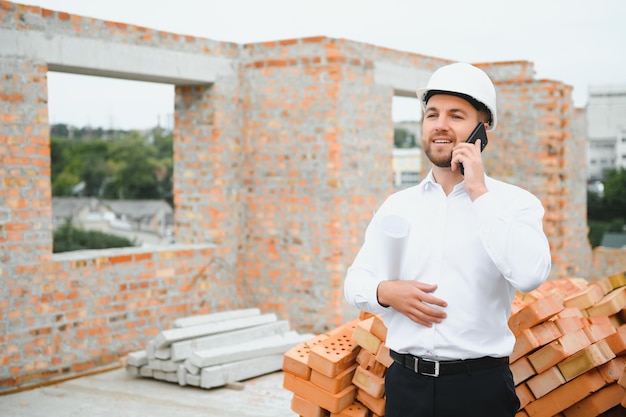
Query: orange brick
point(556, 351)
point(376, 405)
point(613, 369)
point(599, 327)
point(331, 402)
point(597, 403)
point(569, 324)
point(369, 362)
point(524, 395)
point(354, 410)
point(368, 382)
point(364, 337)
point(548, 380)
point(525, 342)
point(535, 313)
point(569, 312)
point(384, 357)
point(522, 370)
point(333, 355)
point(566, 395)
point(605, 284)
point(546, 332)
point(306, 408)
point(295, 361)
point(590, 357)
point(336, 384)
point(617, 280)
point(622, 379)
point(610, 304)
point(617, 341)
point(585, 298)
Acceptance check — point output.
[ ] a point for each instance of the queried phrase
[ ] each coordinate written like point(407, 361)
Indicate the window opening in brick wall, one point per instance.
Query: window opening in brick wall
point(406, 160)
point(111, 161)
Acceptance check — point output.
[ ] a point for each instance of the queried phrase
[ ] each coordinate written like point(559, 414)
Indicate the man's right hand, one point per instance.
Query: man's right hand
point(413, 299)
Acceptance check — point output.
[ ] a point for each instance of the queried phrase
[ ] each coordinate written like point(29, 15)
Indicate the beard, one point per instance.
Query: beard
point(440, 159)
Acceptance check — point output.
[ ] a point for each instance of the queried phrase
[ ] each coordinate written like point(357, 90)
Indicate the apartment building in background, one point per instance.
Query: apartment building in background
point(606, 130)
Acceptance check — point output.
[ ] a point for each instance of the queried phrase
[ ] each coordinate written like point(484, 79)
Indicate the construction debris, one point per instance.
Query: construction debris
point(215, 350)
point(569, 359)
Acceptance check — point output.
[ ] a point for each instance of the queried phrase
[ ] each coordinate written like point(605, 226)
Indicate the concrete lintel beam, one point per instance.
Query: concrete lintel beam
point(404, 79)
point(114, 59)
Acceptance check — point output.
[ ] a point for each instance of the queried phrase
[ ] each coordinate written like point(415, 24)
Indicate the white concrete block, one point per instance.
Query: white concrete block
point(219, 375)
point(193, 380)
point(254, 348)
point(155, 364)
point(146, 371)
point(150, 349)
point(132, 370)
point(167, 337)
point(182, 350)
point(182, 375)
point(170, 366)
point(191, 368)
point(138, 358)
point(213, 317)
point(163, 353)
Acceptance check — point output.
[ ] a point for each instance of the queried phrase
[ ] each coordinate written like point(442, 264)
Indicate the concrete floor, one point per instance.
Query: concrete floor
point(118, 394)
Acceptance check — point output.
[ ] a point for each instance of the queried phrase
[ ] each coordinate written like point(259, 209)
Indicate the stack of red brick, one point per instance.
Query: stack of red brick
point(569, 359)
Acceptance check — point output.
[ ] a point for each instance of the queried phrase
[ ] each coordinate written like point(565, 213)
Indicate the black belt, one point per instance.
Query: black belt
point(436, 368)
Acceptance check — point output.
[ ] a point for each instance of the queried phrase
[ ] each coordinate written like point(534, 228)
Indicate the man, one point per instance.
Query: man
point(473, 242)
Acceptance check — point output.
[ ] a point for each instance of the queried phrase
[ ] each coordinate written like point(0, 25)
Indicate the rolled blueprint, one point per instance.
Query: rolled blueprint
point(392, 241)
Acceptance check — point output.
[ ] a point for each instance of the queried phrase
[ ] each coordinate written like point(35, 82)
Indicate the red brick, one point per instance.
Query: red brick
point(295, 361)
point(368, 382)
point(306, 408)
point(334, 355)
point(535, 313)
point(336, 384)
point(316, 395)
point(524, 395)
point(354, 410)
point(597, 403)
point(522, 370)
point(558, 350)
point(548, 380)
point(566, 395)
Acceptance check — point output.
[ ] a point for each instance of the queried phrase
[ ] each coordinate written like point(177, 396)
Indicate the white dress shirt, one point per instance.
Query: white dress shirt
point(478, 253)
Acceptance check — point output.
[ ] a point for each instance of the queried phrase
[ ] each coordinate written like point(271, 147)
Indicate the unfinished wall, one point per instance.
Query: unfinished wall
point(282, 152)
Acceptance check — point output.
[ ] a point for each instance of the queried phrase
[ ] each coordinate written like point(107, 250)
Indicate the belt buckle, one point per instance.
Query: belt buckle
point(434, 373)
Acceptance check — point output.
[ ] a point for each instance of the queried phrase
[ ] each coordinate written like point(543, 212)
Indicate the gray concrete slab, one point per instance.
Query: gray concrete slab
point(117, 394)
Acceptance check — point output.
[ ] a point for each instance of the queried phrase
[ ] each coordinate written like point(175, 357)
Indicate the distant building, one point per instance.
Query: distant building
point(407, 164)
point(606, 129)
point(143, 221)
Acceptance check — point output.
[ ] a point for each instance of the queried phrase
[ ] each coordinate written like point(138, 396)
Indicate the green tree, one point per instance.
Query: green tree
point(615, 194)
point(133, 165)
point(69, 238)
point(74, 161)
point(402, 138)
point(128, 165)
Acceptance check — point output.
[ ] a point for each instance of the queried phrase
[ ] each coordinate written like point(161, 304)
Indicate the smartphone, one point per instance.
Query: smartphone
point(478, 133)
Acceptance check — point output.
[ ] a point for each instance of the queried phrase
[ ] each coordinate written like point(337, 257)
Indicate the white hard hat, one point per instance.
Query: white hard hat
point(466, 81)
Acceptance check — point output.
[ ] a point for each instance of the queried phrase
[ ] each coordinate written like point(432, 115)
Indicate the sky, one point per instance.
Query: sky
point(579, 42)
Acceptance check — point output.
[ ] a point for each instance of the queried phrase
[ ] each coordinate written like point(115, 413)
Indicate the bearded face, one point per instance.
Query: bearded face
point(438, 152)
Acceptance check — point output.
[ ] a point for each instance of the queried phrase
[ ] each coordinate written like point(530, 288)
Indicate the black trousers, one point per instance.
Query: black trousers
point(484, 393)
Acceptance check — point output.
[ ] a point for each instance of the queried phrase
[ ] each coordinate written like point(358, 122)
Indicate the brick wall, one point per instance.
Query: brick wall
point(279, 163)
